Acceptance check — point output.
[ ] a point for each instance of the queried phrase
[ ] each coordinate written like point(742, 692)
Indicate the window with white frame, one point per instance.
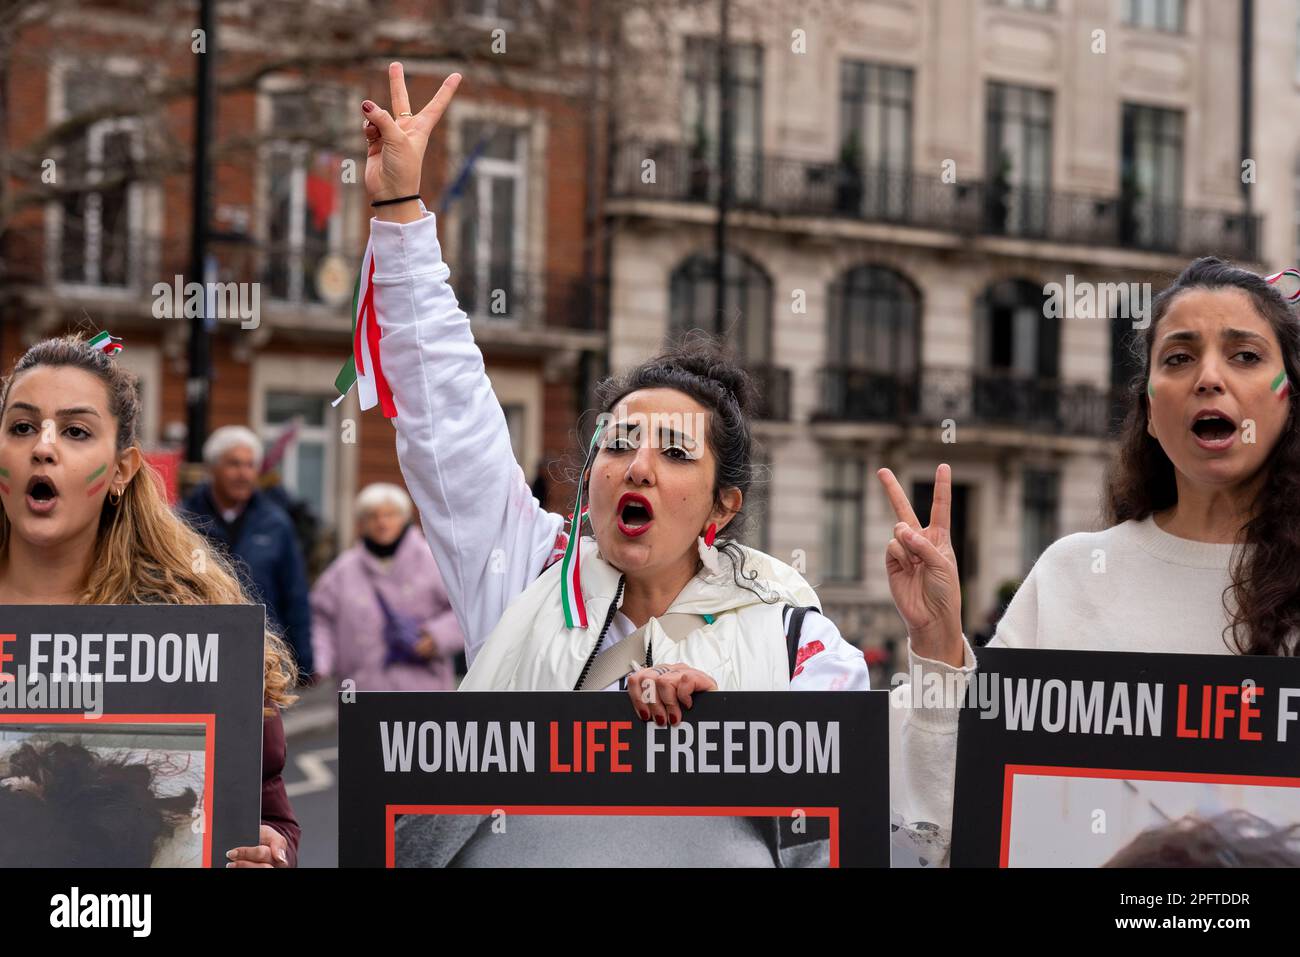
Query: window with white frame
point(1151, 176)
point(842, 516)
point(1043, 6)
point(516, 424)
point(700, 117)
point(308, 467)
point(1168, 16)
point(145, 362)
point(492, 211)
point(99, 217)
point(1040, 501)
point(503, 12)
point(1018, 159)
point(303, 212)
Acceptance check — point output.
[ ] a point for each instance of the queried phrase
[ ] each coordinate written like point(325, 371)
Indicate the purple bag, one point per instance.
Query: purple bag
point(401, 636)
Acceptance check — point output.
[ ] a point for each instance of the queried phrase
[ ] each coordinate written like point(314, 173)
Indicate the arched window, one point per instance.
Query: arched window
point(1012, 332)
point(874, 320)
point(1017, 356)
point(872, 344)
point(745, 321)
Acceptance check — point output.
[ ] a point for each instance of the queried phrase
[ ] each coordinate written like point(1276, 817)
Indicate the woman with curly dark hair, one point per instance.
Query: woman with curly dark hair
point(659, 600)
point(660, 580)
point(1202, 544)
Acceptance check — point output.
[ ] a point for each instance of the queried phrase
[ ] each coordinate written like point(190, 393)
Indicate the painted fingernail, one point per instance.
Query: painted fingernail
point(659, 720)
point(643, 715)
point(230, 855)
point(674, 719)
point(367, 106)
point(284, 858)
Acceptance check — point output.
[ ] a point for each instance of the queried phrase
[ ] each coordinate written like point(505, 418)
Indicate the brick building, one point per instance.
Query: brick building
point(100, 89)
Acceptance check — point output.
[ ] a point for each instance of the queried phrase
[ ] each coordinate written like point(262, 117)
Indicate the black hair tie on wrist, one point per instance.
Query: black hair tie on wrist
point(390, 202)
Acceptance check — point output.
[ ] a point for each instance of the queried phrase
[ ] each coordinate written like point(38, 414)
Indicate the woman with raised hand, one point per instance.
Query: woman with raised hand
point(1202, 542)
point(659, 599)
point(84, 521)
point(663, 486)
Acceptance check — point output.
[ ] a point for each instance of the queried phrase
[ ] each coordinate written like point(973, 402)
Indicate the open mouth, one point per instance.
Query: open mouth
point(42, 494)
point(1214, 430)
point(634, 514)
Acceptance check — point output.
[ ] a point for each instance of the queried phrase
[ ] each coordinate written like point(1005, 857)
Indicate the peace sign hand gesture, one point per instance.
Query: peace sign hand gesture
point(395, 146)
point(922, 568)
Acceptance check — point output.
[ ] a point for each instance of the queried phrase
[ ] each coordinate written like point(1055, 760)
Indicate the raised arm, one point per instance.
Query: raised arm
point(923, 580)
point(489, 536)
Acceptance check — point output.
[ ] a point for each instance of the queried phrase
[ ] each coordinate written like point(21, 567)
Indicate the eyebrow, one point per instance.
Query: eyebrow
point(1227, 335)
point(672, 436)
point(62, 413)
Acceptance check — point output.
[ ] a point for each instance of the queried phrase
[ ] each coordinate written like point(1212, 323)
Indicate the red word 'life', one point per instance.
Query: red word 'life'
point(590, 739)
point(1216, 709)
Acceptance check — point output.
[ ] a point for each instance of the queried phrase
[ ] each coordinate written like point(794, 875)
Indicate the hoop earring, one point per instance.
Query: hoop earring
point(116, 499)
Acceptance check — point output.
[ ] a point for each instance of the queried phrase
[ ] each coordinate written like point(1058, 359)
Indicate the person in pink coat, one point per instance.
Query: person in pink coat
point(380, 613)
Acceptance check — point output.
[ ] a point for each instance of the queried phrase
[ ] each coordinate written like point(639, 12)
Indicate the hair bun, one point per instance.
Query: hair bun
point(704, 355)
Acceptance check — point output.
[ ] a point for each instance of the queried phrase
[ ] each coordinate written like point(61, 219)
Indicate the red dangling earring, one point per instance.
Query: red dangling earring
point(709, 554)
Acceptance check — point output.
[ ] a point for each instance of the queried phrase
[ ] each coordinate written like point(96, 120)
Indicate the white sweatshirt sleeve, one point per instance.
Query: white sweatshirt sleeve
point(923, 714)
point(825, 661)
point(923, 736)
point(489, 535)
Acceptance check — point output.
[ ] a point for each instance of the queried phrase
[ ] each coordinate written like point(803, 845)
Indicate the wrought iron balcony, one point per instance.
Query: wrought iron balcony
point(793, 187)
point(968, 396)
point(786, 186)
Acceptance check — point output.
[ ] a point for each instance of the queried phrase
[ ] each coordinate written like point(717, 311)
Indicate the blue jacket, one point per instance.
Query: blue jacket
point(268, 559)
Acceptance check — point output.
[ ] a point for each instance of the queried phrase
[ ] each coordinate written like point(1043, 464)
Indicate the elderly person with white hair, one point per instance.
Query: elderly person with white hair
point(380, 612)
point(255, 532)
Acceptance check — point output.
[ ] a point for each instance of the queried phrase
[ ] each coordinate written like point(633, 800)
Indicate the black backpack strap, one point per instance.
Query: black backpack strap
point(794, 630)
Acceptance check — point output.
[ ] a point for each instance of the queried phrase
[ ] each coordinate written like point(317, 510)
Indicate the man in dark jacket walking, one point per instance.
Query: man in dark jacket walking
point(257, 534)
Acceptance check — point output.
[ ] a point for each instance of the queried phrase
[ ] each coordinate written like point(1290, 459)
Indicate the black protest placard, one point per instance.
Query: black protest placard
point(1076, 758)
point(479, 779)
point(131, 733)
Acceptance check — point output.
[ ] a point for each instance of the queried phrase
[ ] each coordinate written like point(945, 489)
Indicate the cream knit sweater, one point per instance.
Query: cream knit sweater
point(1133, 587)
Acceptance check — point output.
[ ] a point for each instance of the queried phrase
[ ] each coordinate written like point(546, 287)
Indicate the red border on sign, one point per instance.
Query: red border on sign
point(832, 814)
point(209, 722)
point(1195, 777)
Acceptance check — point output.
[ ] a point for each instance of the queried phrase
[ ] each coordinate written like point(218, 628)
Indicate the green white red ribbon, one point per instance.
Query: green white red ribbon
point(1288, 284)
point(363, 368)
point(103, 342)
point(575, 609)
